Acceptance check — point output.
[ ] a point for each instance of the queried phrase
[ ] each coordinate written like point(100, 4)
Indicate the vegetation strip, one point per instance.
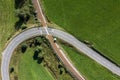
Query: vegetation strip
point(36, 55)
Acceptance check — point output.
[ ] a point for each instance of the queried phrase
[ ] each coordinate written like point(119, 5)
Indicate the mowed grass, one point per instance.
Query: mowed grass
point(7, 20)
point(97, 21)
point(29, 69)
point(90, 69)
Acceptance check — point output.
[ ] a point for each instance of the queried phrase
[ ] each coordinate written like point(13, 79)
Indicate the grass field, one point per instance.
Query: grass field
point(97, 21)
point(7, 20)
point(25, 67)
point(29, 69)
point(90, 69)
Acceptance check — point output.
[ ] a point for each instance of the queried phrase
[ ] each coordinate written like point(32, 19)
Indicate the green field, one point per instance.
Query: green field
point(90, 69)
point(30, 70)
point(97, 21)
point(7, 20)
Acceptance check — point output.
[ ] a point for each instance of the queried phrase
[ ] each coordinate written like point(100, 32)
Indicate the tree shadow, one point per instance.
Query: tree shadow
point(35, 56)
point(19, 3)
point(61, 71)
point(23, 48)
point(60, 66)
point(11, 70)
point(39, 60)
point(18, 24)
point(22, 20)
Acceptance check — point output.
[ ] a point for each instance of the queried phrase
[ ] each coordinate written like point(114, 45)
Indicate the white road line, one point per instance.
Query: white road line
point(46, 30)
point(44, 20)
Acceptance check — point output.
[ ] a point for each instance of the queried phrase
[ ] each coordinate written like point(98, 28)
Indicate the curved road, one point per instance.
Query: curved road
point(6, 55)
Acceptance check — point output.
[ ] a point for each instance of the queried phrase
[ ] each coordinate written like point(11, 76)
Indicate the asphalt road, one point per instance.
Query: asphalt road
point(6, 55)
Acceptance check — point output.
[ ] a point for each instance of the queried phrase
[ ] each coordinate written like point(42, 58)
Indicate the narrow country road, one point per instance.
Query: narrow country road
point(7, 53)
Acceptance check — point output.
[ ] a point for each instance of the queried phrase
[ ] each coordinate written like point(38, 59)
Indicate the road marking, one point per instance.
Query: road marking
point(46, 30)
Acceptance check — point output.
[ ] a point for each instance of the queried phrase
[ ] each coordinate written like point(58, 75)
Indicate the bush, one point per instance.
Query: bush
point(40, 59)
point(23, 14)
point(23, 26)
point(11, 69)
point(19, 3)
point(23, 47)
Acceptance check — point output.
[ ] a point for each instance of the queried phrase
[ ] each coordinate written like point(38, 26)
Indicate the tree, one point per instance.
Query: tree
point(19, 3)
point(60, 66)
point(38, 41)
point(40, 59)
point(23, 14)
point(32, 10)
point(36, 53)
point(23, 26)
point(23, 47)
point(35, 56)
point(11, 69)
